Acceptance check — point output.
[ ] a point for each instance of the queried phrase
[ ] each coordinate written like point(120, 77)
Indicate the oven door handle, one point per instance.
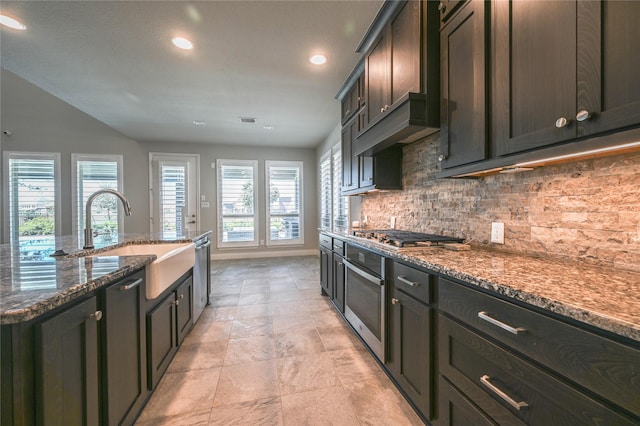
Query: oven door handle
point(372, 278)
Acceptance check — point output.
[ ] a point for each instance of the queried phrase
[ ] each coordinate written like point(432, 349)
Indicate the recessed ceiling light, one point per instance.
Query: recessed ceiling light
point(12, 23)
point(199, 123)
point(268, 127)
point(182, 43)
point(318, 59)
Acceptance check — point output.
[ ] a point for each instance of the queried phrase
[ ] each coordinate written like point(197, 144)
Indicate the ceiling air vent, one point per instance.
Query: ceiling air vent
point(247, 119)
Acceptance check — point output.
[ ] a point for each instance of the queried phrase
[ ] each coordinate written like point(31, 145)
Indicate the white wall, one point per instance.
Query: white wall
point(40, 122)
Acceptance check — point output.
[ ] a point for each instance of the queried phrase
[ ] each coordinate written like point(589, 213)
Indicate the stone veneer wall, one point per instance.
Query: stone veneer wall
point(585, 210)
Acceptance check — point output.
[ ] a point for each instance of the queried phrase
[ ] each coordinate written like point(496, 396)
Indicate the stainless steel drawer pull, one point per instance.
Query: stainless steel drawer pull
point(514, 330)
point(404, 280)
point(129, 286)
point(485, 380)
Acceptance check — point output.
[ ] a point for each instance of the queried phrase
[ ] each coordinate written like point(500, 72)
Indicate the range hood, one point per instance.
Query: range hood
point(411, 119)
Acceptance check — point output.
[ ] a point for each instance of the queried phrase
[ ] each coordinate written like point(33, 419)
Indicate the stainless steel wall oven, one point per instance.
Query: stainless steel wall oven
point(365, 296)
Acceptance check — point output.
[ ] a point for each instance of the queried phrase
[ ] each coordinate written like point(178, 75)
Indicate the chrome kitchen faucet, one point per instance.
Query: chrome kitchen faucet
point(88, 232)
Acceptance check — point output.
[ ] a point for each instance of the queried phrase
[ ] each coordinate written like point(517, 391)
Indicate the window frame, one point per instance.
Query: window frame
point(326, 192)
point(220, 163)
point(337, 199)
point(267, 191)
point(78, 210)
point(10, 234)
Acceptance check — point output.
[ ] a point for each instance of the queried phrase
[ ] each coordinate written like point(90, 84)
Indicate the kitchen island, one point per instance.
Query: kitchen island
point(82, 340)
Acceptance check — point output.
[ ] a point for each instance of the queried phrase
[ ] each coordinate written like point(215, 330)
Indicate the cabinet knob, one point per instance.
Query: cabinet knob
point(181, 296)
point(394, 301)
point(561, 122)
point(97, 315)
point(442, 7)
point(442, 157)
point(382, 109)
point(583, 115)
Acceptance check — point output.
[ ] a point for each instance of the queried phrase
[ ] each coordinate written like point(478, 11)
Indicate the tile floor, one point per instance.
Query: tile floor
point(270, 350)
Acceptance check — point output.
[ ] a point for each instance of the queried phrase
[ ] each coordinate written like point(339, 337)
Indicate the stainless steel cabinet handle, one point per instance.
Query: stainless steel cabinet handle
point(406, 281)
point(442, 157)
point(485, 380)
point(561, 122)
point(583, 115)
point(181, 297)
point(394, 300)
point(97, 315)
point(382, 109)
point(513, 330)
point(129, 286)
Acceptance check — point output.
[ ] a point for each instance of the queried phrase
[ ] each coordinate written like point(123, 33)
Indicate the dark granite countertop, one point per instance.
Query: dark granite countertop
point(605, 298)
point(34, 283)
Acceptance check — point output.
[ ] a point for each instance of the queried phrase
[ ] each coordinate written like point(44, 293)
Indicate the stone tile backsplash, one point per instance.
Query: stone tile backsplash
point(585, 210)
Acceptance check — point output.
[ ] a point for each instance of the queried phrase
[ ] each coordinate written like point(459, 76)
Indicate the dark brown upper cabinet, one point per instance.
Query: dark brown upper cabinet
point(563, 70)
point(401, 80)
point(464, 72)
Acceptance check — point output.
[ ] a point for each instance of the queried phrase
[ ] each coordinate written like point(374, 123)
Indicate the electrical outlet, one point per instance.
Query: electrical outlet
point(497, 232)
point(393, 222)
point(261, 242)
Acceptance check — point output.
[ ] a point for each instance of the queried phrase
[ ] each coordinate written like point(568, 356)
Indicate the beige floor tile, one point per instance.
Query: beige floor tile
point(253, 311)
point(328, 406)
point(182, 393)
point(267, 412)
point(198, 356)
point(374, 400)
point(312, 293)
point(286, 296)
point(324, 304)
point(328, 318)
point(336, 338)
point(253, 298)
point(298, 343)
point(355, 365)
point(288, 308)
point(211, 314)
point(191, 418)
point(209, 332)
point(250, 349)
point(286, 324)
point(303, 373)
point(247, 382)
point(284, 284)
point(305, 283)
point(250, 327)
point(218, 300)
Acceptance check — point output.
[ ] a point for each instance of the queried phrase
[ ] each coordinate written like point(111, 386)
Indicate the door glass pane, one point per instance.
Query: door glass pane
point(172, 199)
point(237, 203)
point(284, 182)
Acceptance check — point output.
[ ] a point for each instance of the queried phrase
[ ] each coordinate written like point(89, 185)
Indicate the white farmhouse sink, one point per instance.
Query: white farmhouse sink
point(173, 260)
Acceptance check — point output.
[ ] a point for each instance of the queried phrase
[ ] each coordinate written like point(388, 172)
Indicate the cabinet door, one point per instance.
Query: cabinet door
point(184, 308)
point(338, 282)
point(405, 52)
point(463, 118)
point(161, 338)
point(350, 162)
point(534, 74)
point(608, 65)
point(325, 272)
point(410, 361)
point(456, 410)
point(124, 348)
point(377, 80)
point(366, 171)
point(66, 367)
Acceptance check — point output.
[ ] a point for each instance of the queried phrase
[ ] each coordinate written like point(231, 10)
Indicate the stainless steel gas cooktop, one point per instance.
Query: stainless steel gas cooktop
point(403, 239)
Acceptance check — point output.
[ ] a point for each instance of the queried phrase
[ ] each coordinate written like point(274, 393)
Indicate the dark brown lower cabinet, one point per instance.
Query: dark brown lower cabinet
point(509, 389)
point(67, 367)
point(456, 410)
point(167, 325)
point(410, 354)
point(326, 278)
point(410, 360)
point(338, 281)
point(124, 348)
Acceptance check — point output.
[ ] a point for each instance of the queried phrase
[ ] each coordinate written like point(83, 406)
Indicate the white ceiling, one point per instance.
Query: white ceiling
point(114, 61)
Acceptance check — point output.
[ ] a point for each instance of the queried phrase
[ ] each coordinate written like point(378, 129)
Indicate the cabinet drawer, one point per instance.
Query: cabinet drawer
point(500, 383)
point(338, 246)
point(456, 410)
point(606, 367)
point(412, 281)
point(326, 241)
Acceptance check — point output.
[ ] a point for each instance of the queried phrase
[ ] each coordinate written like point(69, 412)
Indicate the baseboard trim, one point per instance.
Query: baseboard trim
point(263, 254)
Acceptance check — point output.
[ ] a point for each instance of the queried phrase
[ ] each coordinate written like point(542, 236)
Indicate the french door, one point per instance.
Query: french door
point(174, 193)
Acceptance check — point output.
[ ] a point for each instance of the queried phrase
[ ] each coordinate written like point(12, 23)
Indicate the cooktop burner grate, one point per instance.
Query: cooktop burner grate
point(401, 238)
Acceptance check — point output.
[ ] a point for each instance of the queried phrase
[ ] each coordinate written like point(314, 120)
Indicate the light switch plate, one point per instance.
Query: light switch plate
point(204, 204)
point(497, 232)
point(393, 222)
